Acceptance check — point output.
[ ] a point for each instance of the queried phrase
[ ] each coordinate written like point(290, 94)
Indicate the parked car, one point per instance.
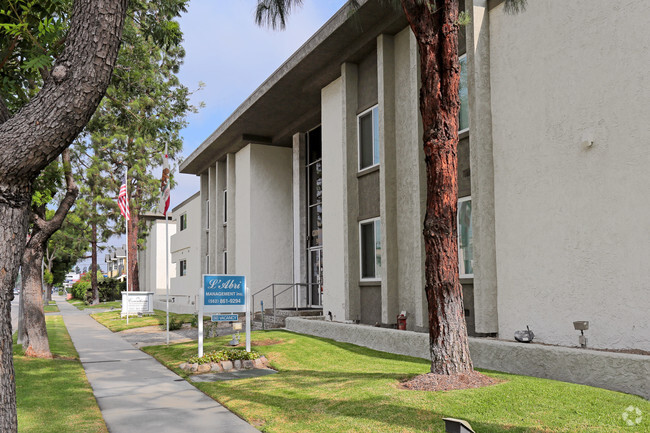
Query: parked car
point(16, 291)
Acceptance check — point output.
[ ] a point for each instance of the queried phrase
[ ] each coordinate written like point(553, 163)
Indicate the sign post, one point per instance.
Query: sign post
point(224, 294)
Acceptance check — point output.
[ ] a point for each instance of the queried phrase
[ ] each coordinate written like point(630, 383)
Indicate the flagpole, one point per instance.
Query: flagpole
point(126, 224)
point(167, 269)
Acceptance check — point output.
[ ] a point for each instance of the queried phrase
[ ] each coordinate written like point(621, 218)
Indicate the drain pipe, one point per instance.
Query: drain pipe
point(262, 306)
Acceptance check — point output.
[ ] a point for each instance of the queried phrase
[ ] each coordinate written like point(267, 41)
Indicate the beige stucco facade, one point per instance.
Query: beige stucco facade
point(571, 160)
point(554, 162)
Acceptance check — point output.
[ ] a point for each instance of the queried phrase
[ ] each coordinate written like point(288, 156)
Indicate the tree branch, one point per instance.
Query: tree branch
point(39, 132)
point(4, 111)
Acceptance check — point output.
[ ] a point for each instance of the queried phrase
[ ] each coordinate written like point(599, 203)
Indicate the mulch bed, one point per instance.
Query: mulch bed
point(443, 382)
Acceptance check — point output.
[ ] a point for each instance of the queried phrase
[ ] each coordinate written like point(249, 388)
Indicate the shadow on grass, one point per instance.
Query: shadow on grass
point(375, 411)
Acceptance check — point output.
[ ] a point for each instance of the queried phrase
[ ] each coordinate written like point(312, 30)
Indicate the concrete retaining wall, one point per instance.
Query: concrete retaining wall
point(615, 371)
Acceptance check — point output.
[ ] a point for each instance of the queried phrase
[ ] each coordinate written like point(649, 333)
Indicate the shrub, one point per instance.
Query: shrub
point(175, 323)
point(110, 289)
point(195, 321)
point(80, 289)
point(224, 355)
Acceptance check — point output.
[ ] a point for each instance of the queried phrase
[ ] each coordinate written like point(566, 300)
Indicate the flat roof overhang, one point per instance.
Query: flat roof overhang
point(289, 101)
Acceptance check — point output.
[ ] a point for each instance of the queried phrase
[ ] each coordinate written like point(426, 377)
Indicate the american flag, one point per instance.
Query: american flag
point(123, 202)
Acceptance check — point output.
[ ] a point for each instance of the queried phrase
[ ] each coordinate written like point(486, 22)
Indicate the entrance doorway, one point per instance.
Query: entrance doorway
point(315, 217)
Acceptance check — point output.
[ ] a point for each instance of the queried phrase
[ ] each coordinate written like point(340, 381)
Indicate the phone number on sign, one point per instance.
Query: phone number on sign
point(224, 301)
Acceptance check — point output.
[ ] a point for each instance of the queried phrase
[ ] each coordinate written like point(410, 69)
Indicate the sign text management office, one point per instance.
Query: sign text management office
point(224, 294)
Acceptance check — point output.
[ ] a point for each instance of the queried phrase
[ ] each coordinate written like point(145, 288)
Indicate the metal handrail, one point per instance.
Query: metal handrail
point(295, 286)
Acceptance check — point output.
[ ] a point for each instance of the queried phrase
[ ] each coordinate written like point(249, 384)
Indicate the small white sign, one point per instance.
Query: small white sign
point(137, 303)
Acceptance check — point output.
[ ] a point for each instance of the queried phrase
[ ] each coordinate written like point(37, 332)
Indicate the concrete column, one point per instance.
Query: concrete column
point(350, 83)
point(231, 238)
point(243, 205)
point(482, 168)
point(387, 177)
point(299, 210)
point(219, 226)
point(213, 226)
point(205, 193)
point(335, 299)
point(410, 182)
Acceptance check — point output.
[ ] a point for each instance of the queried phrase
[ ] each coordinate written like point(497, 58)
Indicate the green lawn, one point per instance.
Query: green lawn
point(326, 386)
point(81, 305)
point(112, 320)
point(53, 395)
point(50, 307)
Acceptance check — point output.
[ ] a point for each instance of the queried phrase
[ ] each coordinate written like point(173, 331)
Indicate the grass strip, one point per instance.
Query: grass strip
point(327, 386)
point(113, 321)
point(53, 395)
point(81, 305)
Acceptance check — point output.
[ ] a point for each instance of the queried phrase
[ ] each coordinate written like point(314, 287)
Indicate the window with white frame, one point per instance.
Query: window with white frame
point(465, 241)
point(463, 112)
point(368, 135)
point(183, 222)
point(370, 249)
point(182, 268)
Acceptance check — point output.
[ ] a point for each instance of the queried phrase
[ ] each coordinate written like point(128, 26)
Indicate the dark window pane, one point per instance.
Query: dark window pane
point(314, 144)
point(316, 225)
point(368, 250)
point(315, 183)
point(366, 143)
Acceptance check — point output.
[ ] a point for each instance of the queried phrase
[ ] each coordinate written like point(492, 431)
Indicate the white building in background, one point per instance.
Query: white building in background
point(185, 256)
point(151, 259)
point(318, 177)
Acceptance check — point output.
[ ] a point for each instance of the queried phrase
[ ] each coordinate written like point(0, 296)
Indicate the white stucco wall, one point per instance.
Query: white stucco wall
point(572, 223)
point(264, 230)
point(185, 245)
point(334, 249)
point(151, 260)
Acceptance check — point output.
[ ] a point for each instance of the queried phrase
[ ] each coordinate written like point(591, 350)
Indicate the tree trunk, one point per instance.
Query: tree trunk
point(36, 343)
point(14, 215)
point(132, 251)
point(37, 134)
point(436, 31)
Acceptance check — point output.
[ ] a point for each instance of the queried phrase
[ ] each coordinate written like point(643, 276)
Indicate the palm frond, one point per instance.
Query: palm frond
point(513, 7)
point(274, 13)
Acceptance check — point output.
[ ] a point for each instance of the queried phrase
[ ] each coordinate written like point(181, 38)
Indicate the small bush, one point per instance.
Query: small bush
point(110, 289)
point(80, 289)
point(175, 323)
point(195, 321)
point(224, 355)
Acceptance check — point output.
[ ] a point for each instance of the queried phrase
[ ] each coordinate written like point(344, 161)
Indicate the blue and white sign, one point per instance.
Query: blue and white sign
point(225, 317)
point(224, 293)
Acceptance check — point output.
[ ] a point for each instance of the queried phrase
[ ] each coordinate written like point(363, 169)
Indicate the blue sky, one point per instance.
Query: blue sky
point(232, 56)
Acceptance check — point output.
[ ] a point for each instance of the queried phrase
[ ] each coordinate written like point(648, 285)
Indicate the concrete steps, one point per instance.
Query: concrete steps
point(278, 321)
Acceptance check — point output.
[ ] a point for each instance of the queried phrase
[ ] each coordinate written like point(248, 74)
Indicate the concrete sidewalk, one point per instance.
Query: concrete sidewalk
point(136, 393)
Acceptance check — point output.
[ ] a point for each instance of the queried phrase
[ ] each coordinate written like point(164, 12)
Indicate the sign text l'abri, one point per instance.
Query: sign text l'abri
point(224, 293)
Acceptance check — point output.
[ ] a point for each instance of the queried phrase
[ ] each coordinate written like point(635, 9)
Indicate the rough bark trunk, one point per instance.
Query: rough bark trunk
point(132, 251)
point(13, 230)
point(34, 136)
point(36, 343)
point(436, 31)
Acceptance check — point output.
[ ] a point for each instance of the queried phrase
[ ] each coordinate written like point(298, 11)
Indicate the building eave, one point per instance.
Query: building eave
point(289, 100)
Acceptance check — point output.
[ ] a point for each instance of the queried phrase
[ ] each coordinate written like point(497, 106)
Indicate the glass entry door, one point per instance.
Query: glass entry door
point(315, 217)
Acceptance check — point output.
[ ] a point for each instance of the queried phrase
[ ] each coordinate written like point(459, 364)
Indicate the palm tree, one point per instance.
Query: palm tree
point(435, 24)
